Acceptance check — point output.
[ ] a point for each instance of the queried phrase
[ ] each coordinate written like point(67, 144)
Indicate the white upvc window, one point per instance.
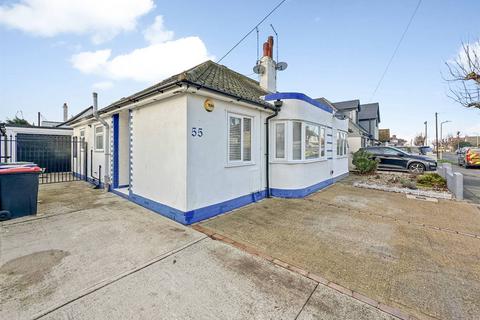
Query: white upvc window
point(239, 139)
point(302, 141)
point(99, 138)
point(341, 143)
point(280, 141)
point(82, 139)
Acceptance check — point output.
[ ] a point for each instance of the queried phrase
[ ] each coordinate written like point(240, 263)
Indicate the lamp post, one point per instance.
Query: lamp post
point(441, 130)
point(425, 141)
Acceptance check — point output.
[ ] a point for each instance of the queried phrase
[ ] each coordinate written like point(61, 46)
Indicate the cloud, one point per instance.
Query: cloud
point(102, 85)
point(157, 33)
point(149, 64)
point(101, 19)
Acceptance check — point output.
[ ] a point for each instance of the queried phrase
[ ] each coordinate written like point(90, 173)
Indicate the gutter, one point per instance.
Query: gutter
point(106, 142)
point(278, 104)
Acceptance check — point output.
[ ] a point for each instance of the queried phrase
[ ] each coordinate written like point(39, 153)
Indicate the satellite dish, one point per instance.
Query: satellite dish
point(259, 69)
point(281, 66)
point(340, 116)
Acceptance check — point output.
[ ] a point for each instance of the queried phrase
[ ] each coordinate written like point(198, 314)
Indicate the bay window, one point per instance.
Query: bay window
point(239, 139)
point(299, 141)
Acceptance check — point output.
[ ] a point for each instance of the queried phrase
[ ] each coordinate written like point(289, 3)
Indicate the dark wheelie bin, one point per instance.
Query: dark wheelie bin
point(18, 191)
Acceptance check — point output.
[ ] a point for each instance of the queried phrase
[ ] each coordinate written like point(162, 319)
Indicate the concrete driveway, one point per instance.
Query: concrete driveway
point(94, 255)
point(419, 256)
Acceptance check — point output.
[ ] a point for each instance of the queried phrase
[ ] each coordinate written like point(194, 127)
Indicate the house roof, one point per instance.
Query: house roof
point(208, 75)
point(369, 111)
point(347, 105)
point(82, 114)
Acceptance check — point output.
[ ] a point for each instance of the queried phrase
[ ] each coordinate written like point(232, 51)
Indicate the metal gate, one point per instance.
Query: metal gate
point(62, 158)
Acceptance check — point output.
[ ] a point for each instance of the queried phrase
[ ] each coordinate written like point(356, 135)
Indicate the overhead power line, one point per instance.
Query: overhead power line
point(396, 49)
point(253, 29)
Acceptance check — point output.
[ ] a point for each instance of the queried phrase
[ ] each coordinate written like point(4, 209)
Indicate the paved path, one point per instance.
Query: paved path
point(94, 255)
point(471, 178)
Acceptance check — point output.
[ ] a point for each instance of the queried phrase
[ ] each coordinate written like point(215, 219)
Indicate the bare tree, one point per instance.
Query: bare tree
point(464, 76)
point(419, 140)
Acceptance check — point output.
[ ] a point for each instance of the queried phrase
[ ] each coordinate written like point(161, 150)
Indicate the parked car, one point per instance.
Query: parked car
point(390, 158)
point(468, 157)
point(411, 150)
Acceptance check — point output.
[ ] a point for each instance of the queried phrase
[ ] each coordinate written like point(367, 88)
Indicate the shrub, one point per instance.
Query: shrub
point(432, 180)
point(407, 183)
point(363, 162)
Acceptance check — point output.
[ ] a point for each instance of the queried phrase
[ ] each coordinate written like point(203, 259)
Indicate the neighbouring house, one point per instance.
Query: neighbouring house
point(209, 140)
point(369, 119)
point(33, 143)
point(384, 135)
point(358, 137)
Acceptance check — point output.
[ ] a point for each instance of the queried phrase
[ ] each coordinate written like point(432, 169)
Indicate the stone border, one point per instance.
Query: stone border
point(422, 193)
point(395, 312)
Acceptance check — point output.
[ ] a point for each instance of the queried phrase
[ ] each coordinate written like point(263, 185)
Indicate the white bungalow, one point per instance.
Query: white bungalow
point(209, 140)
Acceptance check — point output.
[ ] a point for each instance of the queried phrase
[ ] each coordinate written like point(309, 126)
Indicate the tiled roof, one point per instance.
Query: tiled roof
point(346, 105)
point(208, 75)
point(369, 111)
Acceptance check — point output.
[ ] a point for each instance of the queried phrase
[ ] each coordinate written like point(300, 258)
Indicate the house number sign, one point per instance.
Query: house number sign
point(197, 132)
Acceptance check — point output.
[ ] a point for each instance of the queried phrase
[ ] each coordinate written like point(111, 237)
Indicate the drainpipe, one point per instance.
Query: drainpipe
point(106, 142)
point(278, 105)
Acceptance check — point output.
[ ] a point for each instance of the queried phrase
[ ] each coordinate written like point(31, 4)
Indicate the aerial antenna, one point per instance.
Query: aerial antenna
point(276, 37)
point(258, 44)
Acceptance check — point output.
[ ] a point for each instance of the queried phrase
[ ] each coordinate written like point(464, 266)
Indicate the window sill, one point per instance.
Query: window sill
point(341, 157)
point(298, 161)
point(98, 150)
point(239, 164)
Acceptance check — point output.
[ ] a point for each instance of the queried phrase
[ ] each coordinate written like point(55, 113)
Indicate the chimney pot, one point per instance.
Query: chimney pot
point(65, 112)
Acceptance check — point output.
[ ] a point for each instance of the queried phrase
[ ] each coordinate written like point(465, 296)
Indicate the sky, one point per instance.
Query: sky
point(56, 51)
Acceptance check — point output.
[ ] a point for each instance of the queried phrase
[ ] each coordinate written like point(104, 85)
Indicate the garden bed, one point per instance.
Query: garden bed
point(427, 185)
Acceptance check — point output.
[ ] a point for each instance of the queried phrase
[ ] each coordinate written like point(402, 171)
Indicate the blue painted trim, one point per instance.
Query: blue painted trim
point(300, 193)
point(115, 119)
point(340, 177)
point(329, 158)
point(123, 186)
point(298, 96)
point(121, 194)
point(196, 215)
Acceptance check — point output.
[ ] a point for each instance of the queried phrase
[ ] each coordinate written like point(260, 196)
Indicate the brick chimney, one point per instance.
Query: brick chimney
point(65, 112)
point(268, 78)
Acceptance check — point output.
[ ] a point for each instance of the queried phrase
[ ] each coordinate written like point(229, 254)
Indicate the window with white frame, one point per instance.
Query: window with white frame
point(280, 141)
point(296, 140)
point(341, 143)
point(239, 139)
point(312, 141)
point(99, 140)
point(82, 139)
point(299, 141)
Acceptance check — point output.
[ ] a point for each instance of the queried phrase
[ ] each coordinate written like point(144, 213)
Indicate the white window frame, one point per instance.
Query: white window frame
point(341, 144)
point(285, 139)
point(98, 134)
point(241, 162)
point(289, 127)
point(81, 139)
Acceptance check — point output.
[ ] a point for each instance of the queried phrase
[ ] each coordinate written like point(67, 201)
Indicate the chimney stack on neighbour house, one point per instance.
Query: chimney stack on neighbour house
point(65, 112)
point(268, 74)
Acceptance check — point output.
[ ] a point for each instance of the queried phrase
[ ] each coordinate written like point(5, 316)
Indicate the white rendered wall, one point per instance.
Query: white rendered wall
point(159, 146)
point(211, 179)
point(95, 158)
point(302, 174)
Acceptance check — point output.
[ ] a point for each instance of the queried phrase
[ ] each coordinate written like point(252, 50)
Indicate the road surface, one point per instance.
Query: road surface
point(471, 178)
